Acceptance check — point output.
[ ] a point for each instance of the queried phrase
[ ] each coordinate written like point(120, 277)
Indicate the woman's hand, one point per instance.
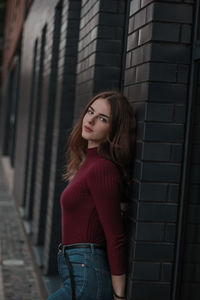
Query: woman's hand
point(118, 283)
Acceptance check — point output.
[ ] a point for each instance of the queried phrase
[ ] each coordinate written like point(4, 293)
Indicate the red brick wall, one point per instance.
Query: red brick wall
point(15, 13)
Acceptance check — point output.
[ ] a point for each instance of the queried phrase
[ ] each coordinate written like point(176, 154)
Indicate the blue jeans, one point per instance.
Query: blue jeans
point(91, 275)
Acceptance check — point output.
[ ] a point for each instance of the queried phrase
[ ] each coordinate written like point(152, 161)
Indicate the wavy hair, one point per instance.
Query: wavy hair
point(119, 146)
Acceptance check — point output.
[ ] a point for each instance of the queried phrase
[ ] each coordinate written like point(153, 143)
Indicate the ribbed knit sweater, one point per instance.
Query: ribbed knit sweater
point(91, 209)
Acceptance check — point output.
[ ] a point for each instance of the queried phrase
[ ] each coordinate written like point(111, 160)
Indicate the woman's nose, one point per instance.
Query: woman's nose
point(92, 119)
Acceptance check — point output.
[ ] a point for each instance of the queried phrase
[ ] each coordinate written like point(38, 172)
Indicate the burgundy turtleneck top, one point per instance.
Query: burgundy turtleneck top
point(91, 209)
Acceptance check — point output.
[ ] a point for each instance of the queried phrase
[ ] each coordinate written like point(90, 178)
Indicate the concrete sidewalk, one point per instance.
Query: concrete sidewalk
point(17, 277)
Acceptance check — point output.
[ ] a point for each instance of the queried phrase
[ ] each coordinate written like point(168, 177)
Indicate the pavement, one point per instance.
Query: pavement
point(18, 279)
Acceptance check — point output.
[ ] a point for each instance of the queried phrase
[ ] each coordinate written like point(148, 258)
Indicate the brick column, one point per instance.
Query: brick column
point(156, 81)
point(45, 144)
point(100, 49)
point(32, 155)
point(62, 125)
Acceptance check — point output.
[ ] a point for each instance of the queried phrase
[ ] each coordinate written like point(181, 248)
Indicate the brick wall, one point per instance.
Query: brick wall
point(50, 52)
point(100, 49)
point(42, 168)
point(38, 16)
point(15, 14)
point(190, 276)
point(156, 82)
point(35, 116)
point(62, 125)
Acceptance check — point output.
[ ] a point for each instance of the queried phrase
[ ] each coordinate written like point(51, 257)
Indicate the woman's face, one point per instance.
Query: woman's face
point(96, 122)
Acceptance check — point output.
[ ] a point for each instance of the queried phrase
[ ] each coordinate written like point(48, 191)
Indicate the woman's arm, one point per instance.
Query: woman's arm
point(119, 283)
point(105, 185)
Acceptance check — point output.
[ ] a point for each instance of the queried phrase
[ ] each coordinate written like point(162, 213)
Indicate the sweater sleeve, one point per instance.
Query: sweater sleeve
point(105, 183)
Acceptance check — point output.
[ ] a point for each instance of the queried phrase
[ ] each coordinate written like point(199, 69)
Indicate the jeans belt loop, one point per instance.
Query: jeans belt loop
point(92, 248)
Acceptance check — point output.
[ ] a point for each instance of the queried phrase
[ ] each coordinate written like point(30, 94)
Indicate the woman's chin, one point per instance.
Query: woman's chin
point(84, 136)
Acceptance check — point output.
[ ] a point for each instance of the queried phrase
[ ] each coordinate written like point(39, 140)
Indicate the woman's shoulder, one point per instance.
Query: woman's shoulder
point(102, 165)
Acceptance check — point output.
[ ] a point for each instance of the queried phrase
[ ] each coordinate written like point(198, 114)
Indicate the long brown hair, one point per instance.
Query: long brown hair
point(119, 146)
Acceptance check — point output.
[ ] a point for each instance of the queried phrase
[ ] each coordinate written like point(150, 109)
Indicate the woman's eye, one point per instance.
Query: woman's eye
point(90, 112)
point(102, 119)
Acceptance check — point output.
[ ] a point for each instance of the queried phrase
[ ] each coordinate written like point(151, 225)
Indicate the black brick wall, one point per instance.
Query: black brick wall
point(156, 81)
point(100, 49)
point(62, 125)
point(30, 118)
point(35, 127)
point(46, 127)
point(190, 276)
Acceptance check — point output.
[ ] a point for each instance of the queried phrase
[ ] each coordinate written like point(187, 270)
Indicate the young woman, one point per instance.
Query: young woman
point(92, 259)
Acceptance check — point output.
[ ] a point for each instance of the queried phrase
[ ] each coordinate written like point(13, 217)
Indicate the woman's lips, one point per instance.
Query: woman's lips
point(88, 129)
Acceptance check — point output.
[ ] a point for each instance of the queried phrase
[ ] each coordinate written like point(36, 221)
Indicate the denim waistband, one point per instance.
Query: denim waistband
point(92, 247)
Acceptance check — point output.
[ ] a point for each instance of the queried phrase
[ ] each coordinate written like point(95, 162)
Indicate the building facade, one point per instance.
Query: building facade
point(67, 50)
point(2, 22)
